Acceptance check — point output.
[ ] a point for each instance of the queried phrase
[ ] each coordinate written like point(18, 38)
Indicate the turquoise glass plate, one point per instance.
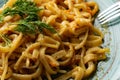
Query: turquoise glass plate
point(110, 68)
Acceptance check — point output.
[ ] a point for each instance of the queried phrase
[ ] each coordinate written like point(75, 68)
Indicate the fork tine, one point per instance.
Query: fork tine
point(107, 13)
point(111, 18)
point(113, 6)
point(110, 15)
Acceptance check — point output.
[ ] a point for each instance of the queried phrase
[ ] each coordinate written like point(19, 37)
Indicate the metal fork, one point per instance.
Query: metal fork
point(110, 13)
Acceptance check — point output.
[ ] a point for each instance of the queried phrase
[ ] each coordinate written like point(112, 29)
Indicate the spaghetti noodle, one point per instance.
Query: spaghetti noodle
point(72, 52)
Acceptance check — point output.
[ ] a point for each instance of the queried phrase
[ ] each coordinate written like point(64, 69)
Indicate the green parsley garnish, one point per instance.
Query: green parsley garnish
point(5, 39)
point(25, 27)
point(22, 7)
point(33, 26)
point(30, 22)
point(1, 18)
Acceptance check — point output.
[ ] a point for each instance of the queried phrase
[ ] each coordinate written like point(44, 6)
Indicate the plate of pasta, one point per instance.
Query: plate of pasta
point(57, 40)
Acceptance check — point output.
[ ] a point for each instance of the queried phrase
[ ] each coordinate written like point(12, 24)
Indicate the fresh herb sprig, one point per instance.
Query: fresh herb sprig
point(22, 7)
point(5, 39)
point(33, 26)
point(25, 27)
point(41, 25)
point(30, 22)
point(1, 18)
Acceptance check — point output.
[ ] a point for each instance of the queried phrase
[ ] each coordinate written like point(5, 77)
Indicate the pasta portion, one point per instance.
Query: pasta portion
point(49, 40)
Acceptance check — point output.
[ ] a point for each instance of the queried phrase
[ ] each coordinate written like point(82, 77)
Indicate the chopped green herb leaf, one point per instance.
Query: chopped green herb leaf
point(22, 7)
point(32, 17)
point(30, 22)
point(1, 18)
point(25, 27)
point(42, 25)
point(31, 27)
point(5, 39)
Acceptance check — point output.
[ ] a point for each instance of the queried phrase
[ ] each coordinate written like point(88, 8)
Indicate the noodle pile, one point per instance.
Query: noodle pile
point(72, 52)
